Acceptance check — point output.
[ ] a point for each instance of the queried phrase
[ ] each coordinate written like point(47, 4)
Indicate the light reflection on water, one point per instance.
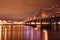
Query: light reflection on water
point(0, 32)
point(45, 34)
point(20, 32)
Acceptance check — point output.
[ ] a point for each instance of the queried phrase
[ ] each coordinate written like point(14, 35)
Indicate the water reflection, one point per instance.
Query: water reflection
point(20, 32)
point(45, 34)
point(0, 35)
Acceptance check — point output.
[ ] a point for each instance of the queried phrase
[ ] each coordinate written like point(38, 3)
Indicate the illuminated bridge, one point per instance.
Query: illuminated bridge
point(51, 24)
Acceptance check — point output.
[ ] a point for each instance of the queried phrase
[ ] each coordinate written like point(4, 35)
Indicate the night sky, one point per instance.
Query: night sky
point(20, 9)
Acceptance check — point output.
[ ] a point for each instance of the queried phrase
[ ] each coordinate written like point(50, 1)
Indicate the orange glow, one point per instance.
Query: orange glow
point(17, 22)
point(45, 23)
point(45, 34)
point(4, 22)
point(0, 22)
point(44, 15)
point(0, 29)
point(9, 22)
point(38, 22)
point(14, 22)
point(38, 27)
point(32, 23)
point(5, 34)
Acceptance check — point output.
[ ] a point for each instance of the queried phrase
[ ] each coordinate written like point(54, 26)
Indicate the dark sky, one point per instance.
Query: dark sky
point(20, 9)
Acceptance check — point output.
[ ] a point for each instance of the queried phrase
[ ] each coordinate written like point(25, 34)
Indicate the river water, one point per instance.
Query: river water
point(21, 32)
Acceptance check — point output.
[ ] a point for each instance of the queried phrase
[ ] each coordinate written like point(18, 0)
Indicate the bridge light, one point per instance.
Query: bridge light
point(44, 15)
